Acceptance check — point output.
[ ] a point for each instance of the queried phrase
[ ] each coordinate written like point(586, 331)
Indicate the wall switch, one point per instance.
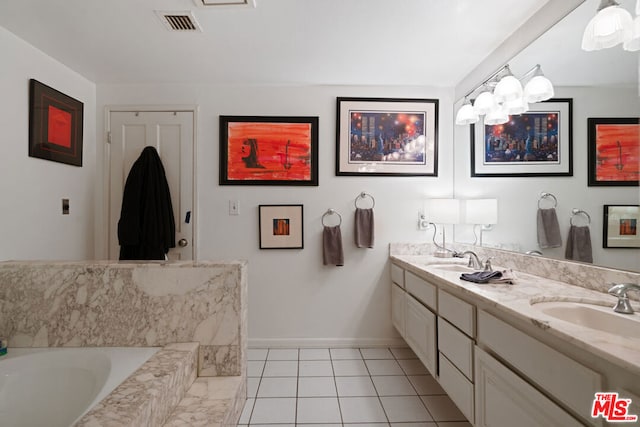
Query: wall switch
point(65, 206)
point(423, 223)
point(234, 207)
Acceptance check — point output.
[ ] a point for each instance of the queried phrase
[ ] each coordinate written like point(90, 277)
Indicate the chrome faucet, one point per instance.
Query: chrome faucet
point(620, 290)
point(474, 261)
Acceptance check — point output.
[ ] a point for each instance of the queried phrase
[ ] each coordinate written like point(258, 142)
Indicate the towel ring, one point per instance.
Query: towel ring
point(364, 195)
point(331, 212)
point(575, 212)
point(544, 196)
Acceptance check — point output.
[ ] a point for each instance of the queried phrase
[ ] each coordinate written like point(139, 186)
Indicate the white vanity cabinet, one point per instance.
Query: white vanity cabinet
point(498, 375)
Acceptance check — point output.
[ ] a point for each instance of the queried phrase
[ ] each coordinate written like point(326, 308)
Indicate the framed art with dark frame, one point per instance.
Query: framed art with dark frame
point(387, 137)
point(620, 228)
point(55, 125)
point(281, 226)
point(535, 143)
point(614, 150)
point(258, 150)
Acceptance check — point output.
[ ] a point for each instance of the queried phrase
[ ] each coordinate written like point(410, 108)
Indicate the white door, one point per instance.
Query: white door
point(172, 134)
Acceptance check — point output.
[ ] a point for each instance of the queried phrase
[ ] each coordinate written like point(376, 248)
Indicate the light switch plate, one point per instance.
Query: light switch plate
point(234, 207)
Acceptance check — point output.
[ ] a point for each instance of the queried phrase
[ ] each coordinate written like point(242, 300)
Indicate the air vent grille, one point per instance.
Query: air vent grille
point(178, 21)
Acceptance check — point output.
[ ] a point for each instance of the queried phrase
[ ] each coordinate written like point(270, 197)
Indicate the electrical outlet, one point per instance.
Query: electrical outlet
point(234, 207)
point(423, 223)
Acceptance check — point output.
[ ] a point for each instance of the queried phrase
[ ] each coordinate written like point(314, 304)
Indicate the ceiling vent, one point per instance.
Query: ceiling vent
point(182, 21)
point(228, 3)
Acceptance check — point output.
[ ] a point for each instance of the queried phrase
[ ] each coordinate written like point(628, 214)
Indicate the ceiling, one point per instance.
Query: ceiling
point(343, 42)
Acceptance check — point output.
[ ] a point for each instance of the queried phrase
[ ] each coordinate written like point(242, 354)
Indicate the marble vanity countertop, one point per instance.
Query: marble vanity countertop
point(519, 301)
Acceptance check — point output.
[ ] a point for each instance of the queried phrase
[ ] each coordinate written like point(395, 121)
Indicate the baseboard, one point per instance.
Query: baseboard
point(325, 342)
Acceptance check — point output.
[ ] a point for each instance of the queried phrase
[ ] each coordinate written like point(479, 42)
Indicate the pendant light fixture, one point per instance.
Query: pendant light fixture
point(485, 102)
point(517, 106)
point(497, 116)
point(539, 88)
point(466, 114)
point(508, 88)
point(634, 44)
point(611, 26)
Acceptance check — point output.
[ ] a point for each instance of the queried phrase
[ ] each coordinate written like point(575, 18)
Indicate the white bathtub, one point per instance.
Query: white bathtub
point(54, 387)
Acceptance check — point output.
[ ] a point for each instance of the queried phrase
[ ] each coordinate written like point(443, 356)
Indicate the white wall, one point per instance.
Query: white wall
point(31, 189)
point(518, 197)
point(293, 298)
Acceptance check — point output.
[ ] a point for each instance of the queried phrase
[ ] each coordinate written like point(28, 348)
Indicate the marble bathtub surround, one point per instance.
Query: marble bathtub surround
point(574, 273)
point(54, 304)
point(149, 395)
point(517, 302)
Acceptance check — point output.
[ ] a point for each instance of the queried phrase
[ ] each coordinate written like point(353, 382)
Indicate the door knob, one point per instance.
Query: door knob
point(183, 242)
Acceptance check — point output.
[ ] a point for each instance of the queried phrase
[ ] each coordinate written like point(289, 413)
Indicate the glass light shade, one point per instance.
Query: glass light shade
point(611, 26)
point(497, 116)
point(443, 211)
point(539, 88)
point(517, 106)
point(481, 211)
point(634, 44)
point(485, 102)
point(508, 89)
point(466, 114)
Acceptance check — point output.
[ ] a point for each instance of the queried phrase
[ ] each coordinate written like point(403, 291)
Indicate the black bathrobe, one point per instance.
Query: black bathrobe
point(146, 229)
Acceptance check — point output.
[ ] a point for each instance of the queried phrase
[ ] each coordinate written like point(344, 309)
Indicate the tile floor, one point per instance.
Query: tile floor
point(357, 387)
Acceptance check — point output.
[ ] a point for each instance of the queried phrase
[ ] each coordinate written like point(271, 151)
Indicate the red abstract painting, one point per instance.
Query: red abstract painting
point(614, 151)
point(59, 127)
point(269, 151)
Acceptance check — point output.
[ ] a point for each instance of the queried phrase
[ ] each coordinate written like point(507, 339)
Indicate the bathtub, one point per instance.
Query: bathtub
point(55, 387)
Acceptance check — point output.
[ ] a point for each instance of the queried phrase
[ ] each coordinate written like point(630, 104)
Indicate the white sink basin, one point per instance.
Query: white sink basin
point(458, 268)
point(601, 318)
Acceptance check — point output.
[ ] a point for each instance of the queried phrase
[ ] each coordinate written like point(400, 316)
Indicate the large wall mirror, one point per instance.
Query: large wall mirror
point(601, 84)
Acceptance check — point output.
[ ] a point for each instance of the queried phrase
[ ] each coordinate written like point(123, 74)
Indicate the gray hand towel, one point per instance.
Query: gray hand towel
point(364, 228)
point(548, 229)
point(579, 244)
point(332, 253)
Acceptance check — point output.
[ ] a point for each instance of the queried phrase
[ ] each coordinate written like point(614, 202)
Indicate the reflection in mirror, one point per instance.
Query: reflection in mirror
point(601, 84)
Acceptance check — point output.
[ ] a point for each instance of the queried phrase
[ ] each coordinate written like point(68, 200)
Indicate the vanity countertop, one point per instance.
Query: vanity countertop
point(516, 301)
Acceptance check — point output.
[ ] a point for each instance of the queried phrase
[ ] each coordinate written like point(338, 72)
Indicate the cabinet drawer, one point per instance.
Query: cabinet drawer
point(569, 382)
point(421, 289)
point(420, 333)
point(459, 388)
point(461, 314)
point(456, 346)
point(397, 275)
point(503, 399)
point(398, 303)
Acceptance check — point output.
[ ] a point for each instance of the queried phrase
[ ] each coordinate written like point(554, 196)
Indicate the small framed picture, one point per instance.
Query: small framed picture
point(55, 125)
point(281, 227)
point(620, 228)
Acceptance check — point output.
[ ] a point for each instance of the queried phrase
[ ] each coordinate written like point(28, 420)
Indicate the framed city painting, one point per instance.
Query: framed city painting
point(387, 137)
point(620, 228)
point(55, 125)
point(614, 150)
point(268, 150)
point(281, 227)
point(535, 143)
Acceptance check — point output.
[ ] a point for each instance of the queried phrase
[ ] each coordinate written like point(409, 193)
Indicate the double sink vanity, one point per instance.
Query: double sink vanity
point(534, 352)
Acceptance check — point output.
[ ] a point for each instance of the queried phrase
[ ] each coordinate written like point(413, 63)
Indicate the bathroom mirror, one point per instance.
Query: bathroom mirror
point(601, 84)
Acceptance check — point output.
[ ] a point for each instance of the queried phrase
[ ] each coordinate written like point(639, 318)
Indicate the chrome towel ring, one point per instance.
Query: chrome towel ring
point(364, 195)
point(575, 212)
point(331, 212)
point(544, 195)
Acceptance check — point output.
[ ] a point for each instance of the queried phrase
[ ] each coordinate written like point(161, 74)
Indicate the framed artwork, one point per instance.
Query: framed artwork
point(535, 143)
point(268, 150)
point(387, 137)
point(614, 150)
point(620, 228)
point(55, 125)
point(280, 227)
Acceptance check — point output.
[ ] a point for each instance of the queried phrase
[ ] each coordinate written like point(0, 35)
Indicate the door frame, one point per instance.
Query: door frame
point(102, 250)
